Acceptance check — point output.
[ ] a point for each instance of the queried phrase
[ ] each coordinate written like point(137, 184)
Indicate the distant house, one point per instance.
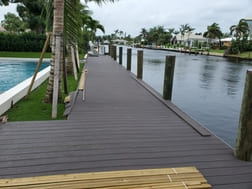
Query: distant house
point(1, 28)
point(120, 41)
point(226, 42)
point(189, 39)
point(249, 21)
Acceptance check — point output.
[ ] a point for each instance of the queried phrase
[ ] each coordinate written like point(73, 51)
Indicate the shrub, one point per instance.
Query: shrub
point(30, 41)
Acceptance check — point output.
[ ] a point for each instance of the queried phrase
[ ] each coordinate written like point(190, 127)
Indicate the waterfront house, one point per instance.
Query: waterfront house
point(189, 39)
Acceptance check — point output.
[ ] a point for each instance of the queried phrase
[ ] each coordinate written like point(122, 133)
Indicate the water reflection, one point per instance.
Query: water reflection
point(208, 70)
point(154, 61)
point(232, 77)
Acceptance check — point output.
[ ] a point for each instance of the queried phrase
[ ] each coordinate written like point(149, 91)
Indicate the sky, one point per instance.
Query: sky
point(131, 16)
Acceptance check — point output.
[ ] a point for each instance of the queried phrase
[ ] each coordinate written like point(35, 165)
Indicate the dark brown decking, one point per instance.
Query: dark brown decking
point(120, 126)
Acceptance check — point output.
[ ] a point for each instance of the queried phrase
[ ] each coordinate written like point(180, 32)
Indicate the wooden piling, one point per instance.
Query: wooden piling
point(114, 53)
point(120, 55)
point(110, 50)
point(140, 64)
point(243, 150)
point(168, 77)
point(129, 54)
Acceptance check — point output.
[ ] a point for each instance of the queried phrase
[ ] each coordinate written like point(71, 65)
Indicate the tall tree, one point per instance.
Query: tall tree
point(4, 2)
point(58, 31)
point(213, 32)
point(31, 14)
point(13, 23)
point(240, 29)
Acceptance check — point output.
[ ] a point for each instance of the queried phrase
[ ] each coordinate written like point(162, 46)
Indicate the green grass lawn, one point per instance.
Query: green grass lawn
point(246, 54)
point(23, 54)
point(34, 108)
point(217, 51)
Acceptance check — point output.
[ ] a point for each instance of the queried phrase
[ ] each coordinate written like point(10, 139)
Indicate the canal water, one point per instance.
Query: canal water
point(207, 88)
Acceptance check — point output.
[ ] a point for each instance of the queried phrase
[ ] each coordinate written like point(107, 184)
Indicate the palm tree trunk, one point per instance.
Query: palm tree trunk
point(58, 26)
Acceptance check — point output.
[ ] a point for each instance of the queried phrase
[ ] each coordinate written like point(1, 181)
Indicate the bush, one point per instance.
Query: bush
point(19, 42)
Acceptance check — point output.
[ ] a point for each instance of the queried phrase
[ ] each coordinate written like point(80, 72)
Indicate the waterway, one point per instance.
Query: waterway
point(207, 88)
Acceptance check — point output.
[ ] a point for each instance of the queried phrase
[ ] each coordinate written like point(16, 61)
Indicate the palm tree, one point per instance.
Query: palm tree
point(213, 32)
point(144, 34)
point(189, 30)
point(182, 30)
point(240, 29)
point(54, 89)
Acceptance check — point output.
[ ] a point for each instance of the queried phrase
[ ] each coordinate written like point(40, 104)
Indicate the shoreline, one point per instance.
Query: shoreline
point(200, 53)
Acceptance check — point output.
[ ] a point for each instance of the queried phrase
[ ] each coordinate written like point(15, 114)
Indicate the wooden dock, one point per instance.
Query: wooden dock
point(123, 124)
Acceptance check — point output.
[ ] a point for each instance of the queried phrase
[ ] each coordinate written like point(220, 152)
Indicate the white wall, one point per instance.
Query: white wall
point(20, 90)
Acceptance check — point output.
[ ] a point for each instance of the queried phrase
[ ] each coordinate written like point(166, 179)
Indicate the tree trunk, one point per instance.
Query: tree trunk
point(58, 26)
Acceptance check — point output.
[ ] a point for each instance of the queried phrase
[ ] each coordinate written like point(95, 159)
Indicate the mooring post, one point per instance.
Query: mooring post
point(110, 50)
point(168, 77)
point(114, 52)
point(243, 150)
point(140, 64)
point(129, 54)
point(120, 55)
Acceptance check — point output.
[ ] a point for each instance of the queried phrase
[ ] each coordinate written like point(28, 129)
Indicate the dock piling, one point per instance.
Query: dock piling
point(129, 54)
point(120, 55)
point(168, 77)
point(110, 50)
point(140, 64)
point(114, 52)
point(243, 150)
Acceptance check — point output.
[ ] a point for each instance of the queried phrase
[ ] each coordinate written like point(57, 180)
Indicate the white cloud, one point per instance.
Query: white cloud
point(132, 15)
point(4, 10)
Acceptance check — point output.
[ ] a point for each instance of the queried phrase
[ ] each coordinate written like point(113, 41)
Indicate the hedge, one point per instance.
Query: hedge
point(23, 42)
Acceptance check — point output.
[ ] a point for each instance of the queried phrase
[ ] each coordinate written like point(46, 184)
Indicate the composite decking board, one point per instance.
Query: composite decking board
point(109, 150)
point(119, 126)
point(59, 154)
point(133, 138)
point(234, 186)
point(114, 156)
point(98, 166)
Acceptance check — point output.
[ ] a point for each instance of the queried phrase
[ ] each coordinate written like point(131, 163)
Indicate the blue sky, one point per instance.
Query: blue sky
point(132, 15)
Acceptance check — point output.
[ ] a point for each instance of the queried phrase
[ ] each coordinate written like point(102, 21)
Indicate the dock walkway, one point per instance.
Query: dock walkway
point(122, 125)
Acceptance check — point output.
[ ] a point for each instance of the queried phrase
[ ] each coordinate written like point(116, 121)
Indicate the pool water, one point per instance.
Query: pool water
point(13, 72)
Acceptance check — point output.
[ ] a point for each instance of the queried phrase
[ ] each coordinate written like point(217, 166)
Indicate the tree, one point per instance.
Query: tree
point(4, 2)
point(185, 29)
point(57, 46)
point(239, 30)
point(144, 34)
point(13, 23)
point(213, 32)
point(30, 12)
point(182, 30)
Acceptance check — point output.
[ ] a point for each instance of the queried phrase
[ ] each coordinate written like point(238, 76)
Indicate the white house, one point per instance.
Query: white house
point(189, 39)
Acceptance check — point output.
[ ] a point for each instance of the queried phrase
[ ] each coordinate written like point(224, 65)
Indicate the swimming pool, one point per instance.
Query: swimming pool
point(14, 71)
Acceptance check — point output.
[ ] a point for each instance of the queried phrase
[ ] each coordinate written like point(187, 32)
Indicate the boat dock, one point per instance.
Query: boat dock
point(123, 124)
